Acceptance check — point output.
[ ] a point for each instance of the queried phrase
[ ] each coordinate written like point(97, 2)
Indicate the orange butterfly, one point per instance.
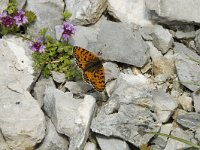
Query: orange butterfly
point(92, 67)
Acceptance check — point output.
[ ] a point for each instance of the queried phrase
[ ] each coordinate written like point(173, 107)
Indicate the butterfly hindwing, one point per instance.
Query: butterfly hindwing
point(96, 78)
point(91, 66)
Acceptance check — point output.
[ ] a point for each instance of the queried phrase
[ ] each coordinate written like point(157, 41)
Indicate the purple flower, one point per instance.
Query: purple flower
point(67, 30)
point(6, 19)
point(37, 46)
point(20, 18)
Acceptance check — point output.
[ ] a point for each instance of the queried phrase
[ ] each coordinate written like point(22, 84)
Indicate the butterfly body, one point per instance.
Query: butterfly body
point(91, 66)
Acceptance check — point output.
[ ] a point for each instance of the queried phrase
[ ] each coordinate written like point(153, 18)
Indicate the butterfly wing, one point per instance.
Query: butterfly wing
point(83, 57)
point(96, 78)
point(91, 66)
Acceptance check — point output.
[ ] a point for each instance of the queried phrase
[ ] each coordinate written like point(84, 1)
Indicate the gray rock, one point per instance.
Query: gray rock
point(180, 133)
point(146, 32)
point(188, 70)
point(53, 140)
point(197, 134)
point(84, 35)
point(192, 45)
point(145, 69)
point(163, 66)
point(58, 77)
point(39, 89)
point(164, 105)
point(15, 78)
point(189, 120)
point(3, 5)
point(197, 41)
point(70, 116)
point(167, 10)
point(20, 3)
point(186, 102)
point(117, 42)
point(78, 87)
point(3, 144)
point(86, 12)
point(90, 146)
point(49, 14)
point(111, 143)
point(154, 52)
point(109, 87)
point(27, 118)
point(21, 51)
point(185, 35)
point(162, 39)
point(129, 11)
point(196, 100)
point(160, 142)
point(111, 71)
point(127, 114)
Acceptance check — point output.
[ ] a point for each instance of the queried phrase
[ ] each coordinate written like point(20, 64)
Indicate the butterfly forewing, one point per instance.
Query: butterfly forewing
point(91, 66)
point(83, 57)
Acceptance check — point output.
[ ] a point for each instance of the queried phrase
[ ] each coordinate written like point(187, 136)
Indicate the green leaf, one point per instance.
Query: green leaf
point(66, 15)
point(43, 31)
point(12, 7)
point(30, 16)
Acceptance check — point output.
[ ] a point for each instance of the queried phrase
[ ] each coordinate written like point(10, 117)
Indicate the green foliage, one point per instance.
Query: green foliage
point(56, 57)
point(43, 32)
point(6, 30)
point(30, 16)
point(66, 15)
point(12, 7)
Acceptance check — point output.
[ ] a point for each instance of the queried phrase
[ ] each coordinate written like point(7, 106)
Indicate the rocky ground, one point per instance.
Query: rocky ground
point(152, 69)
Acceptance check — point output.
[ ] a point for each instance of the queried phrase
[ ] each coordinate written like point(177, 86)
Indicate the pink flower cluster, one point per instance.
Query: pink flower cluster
point(67, 30)
point(9, 21)
point(37, 46)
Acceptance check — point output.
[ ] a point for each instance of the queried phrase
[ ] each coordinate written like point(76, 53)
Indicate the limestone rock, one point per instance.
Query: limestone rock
point(3, 144)
point(27, 118)
point(185, 35)
point(53, 140)
point(129, 11)
point(163, 66)
point(160, 141)
point(189, 120)
point(70, 116)
point(154, 52)
point(49, 14)
point(87, 11)
point(106, 143)
point(120, 46)
point(3, 5)
point(126, 114)
point(197, 41)
point(186, 102)
point(180, 133)
point(164, 105)
point(39, 89)
point(162, 39)
point(78, 87)
point(167, 10)
point(111, 71)
point(58, 77)
point(188, 70)
point(90, 146)
point(196, 100)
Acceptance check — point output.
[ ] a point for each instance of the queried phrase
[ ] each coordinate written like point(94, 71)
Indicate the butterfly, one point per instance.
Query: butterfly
point(91, 66)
